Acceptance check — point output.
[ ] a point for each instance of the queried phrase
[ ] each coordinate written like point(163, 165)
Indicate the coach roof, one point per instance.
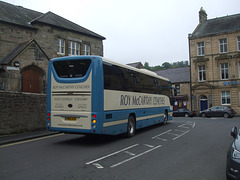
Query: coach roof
point(153, 74)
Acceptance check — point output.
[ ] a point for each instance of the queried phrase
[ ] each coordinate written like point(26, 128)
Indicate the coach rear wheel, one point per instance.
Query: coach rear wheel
point(131, 127)
point(165, 116)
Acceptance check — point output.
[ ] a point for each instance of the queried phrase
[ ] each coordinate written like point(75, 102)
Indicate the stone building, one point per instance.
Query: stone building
point(180, 79)
point(215, 62)
point(28, 39)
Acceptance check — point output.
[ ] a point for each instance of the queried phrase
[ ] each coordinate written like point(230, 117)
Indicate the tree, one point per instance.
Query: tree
point(146, 65)
point(166, 65)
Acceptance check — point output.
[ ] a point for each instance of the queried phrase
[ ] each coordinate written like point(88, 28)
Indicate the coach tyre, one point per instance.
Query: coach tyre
point(131, 127)
point(165, 117)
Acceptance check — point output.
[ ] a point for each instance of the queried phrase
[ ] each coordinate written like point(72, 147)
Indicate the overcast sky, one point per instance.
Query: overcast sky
point(153, 31)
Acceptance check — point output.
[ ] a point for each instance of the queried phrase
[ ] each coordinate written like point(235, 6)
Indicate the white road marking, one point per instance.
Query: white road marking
point(145, 152)
point(179, 130)
point(161, 134)
point(180, 135)
point(104, 157)
point(98, 166)
point(162, 139)
point(193, 124)
point(148, 145)
point(183, 126)
point(130, 153)
point(173, 134)
point(186, 125)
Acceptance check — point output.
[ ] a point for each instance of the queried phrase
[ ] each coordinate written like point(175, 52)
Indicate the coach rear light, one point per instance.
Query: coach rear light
point(94, 121)
point(94, 116)
point(48, 118)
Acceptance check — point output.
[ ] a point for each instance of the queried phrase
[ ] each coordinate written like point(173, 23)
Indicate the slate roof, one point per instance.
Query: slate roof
point(17, 14)
point(20, 48)
point(25, 17)
point(136, 65)
point(176, 75)
point(218, 25)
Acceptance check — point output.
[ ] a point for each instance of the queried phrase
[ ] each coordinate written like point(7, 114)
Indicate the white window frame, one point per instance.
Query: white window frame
point(226, 98)
point(224, 71)
point(86, 49)
point(202, 73)
point(73, 48)
point(200, 49)
point(60, 46)
point(223, 45)
point(238, 43)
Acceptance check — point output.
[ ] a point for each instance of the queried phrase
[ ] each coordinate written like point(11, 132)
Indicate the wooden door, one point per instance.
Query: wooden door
point(31, 81)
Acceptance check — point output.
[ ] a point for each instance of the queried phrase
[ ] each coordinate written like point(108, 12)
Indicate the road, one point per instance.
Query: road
point(185, 148)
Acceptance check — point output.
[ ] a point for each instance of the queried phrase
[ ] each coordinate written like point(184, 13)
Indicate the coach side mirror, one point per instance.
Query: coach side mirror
point(234, 132)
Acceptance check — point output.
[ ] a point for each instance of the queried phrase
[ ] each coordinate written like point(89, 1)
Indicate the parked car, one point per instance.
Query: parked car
point(218, 111)
point(183, 112)
point(233, 157)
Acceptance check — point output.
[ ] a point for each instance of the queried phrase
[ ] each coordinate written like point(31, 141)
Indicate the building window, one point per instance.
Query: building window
point(201, 73)
point(224, 71)
point(238, 42)
point(73, 48)
point(226, 98)
point(200, 49)
point(223, 45)
point(177, 86)
point(60, 46)
point(86, 49)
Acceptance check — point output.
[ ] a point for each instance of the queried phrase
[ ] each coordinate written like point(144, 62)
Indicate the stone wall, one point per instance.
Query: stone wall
point(22, 112)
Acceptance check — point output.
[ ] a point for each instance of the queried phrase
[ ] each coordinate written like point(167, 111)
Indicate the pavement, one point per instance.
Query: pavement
point(13, 138)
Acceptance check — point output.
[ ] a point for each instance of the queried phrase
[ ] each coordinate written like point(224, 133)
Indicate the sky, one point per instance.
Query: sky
point(153, 31)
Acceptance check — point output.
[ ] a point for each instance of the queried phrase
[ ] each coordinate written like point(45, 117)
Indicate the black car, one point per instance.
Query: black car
point(183, 112)
point(233, 157)
point(218, 111)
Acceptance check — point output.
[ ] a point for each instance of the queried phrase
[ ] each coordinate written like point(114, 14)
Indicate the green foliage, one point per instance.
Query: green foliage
point(166, 65)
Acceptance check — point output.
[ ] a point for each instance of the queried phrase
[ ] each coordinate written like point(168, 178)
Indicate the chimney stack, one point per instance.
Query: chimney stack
point(202, 15)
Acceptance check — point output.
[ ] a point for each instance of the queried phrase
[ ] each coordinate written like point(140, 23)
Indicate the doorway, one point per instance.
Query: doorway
point(203, 102)
point(31, 81)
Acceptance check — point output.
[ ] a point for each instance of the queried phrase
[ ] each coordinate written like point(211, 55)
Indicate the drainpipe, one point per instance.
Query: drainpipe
point(189, 36)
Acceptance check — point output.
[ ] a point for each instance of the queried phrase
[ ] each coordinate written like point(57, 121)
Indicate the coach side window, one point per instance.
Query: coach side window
point(113, 77)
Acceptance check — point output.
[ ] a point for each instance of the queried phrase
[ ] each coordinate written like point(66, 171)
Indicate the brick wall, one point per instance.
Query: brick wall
point(21, 112)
